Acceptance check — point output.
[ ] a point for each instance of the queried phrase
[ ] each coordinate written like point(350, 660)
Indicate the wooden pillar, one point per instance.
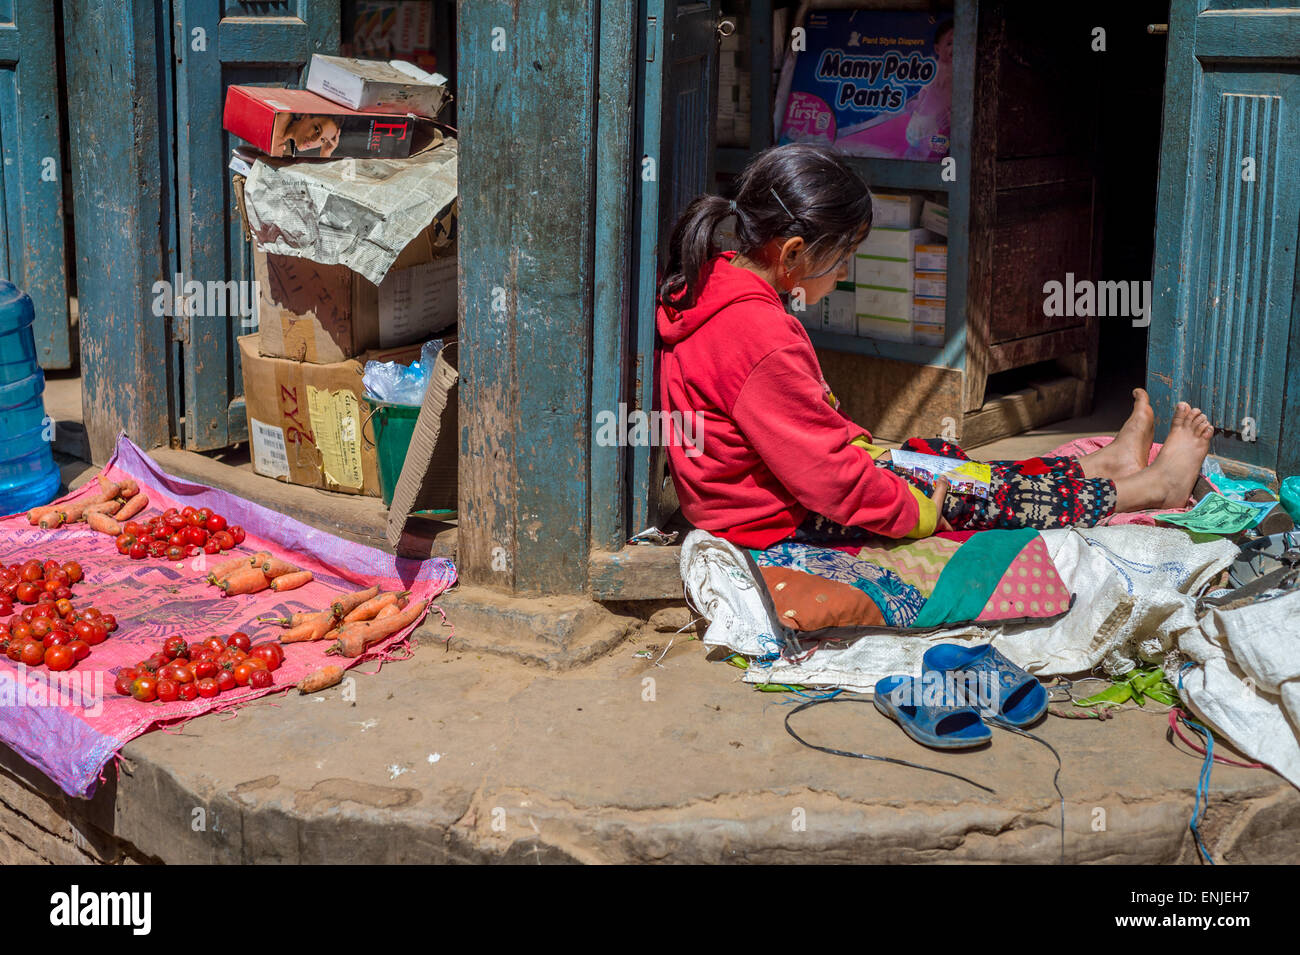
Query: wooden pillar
point(527, 111)
point(115, 145)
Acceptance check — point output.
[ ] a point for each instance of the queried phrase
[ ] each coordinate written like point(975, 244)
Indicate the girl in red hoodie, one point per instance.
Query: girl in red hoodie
point(761, 453)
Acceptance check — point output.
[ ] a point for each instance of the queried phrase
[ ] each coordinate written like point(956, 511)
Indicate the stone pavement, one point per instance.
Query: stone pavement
point(462, 755)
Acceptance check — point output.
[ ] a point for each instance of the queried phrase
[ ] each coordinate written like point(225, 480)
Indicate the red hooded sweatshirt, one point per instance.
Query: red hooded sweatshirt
point(761, 442)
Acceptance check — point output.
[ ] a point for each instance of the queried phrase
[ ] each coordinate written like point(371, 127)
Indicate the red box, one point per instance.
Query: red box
point(299, 123)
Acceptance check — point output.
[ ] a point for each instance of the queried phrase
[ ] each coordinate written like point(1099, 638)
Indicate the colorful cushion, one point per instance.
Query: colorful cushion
point(982, 577)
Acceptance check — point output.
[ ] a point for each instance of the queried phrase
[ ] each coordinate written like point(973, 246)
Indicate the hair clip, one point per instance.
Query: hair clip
point(778, 199)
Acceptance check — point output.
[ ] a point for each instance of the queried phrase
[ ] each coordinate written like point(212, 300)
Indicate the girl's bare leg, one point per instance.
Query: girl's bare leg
point(1169, 480)
point(1130, 450)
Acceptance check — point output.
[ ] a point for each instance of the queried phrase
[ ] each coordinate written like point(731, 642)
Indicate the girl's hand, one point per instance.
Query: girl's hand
point(940, 492)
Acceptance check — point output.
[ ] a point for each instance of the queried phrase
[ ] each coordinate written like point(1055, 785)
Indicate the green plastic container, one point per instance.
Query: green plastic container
point(393, 426)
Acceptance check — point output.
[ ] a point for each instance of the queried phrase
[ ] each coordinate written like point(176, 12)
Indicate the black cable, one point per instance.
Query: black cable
point(883, 759)
point(995, 721)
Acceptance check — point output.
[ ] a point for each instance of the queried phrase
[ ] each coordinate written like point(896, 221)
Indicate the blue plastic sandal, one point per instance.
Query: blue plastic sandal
point(984, 677)
point(902, 699)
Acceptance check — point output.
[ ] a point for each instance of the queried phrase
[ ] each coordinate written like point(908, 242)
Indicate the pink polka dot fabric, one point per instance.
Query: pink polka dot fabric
point(1031, 587)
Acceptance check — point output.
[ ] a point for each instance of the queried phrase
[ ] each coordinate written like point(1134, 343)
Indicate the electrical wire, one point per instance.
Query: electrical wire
point(884, 759)
point(1056, 777)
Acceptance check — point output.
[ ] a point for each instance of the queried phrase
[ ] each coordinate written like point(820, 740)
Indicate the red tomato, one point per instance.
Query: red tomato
point(239, 639)
point(168, 691)
point(27, 592)
point(138, 551)
point(133, 529)
point(177, 673)
point(193, 651)
point(50, 566)
point(84, 630)
point(41, 627)
point(172, 516)
point(204, 669)
point(109, 621)
point(195, 536)
point(215, 523)
point(225, 540)
point(211, 547)
point(56, 638)
point(33, 653)
point(186, 511)
point(15, 651)
point(208, 688)
point(98, 634)
point(63, 607)
point(174, 647)
point(237, 533)
point(242, 672)
point(158, 549)
point(215, 644)
point(80, 649)
point(175, 553)
point(145, 688)
point(60, 658)
point(260, 679)
point(22, 630)
point(31, 571)
point(188, 691)
point(226, 681)
point(123, 686)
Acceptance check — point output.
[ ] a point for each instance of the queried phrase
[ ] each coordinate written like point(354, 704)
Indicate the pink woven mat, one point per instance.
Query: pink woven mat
point(71, 733)
point(1084, 446)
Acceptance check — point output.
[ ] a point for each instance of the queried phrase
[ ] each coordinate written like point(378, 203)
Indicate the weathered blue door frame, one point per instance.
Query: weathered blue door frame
point(31, 174)
point(1225, 321)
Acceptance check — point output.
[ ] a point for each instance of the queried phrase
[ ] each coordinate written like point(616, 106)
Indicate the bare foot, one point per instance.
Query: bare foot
point(1174, 471)
point(1131, 450)
point(1132, 446)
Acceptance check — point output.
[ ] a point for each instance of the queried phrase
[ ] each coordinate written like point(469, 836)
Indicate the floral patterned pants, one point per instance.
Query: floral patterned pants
point(1043, 493)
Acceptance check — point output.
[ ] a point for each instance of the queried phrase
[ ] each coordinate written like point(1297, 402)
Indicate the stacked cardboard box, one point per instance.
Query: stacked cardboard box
point(930, 299)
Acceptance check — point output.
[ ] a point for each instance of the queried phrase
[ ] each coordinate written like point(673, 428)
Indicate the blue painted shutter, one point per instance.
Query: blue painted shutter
point(31, 177)
point(678, 104)
point(253, 42)
point(1225, 309)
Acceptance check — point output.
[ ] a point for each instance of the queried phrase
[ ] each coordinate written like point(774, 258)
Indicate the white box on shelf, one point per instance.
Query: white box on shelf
point(883, 274)
point(935, 218)
point(931, 256)
point(895, 210)
point(930, 285)
point(893, 244)
point(838, 311)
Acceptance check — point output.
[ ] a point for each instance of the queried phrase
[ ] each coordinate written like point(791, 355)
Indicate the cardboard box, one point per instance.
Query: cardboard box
point(895, 211)
point(326, 313)
point(887, 274)
point(930, 285)
point(373, 86)
point(894, 244)
point(305, 421)
point(929, 320)
point(838, 310)
point(283, 122)
point(931, 257)
point(935, 218)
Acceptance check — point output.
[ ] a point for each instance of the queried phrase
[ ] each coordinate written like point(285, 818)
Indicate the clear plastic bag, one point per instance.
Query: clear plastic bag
point(400, 384)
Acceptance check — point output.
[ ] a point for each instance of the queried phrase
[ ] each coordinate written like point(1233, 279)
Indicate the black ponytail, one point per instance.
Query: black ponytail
point(785, 191)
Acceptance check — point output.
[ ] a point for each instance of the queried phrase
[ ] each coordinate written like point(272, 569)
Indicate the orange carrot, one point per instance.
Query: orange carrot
point(74, 512)
point(369, 609)
point(104, 523)
point(105, 483)
point(290, 581)
point(36, 513)
point(387, 612)
point(129, 488)
point(227, 567)
point(345, 605)
point(293, 620)
point(315, 627)
point(103, 507)
point(134, 505)
point(52, 519)
point(248, 581)
point(274, 567)
point(353, 638)
point(321, 679)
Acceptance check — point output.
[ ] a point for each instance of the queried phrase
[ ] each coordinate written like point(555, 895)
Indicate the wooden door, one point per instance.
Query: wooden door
point(678, 100)
point(1225, 321)
point(218, 43)
point(31, 173)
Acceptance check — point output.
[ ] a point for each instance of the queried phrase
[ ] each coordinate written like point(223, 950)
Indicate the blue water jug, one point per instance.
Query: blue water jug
point(28, 474)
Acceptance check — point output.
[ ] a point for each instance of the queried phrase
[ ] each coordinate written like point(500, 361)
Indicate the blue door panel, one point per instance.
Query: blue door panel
point(31, 173)
point(219, 44)
point(1225, 304)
